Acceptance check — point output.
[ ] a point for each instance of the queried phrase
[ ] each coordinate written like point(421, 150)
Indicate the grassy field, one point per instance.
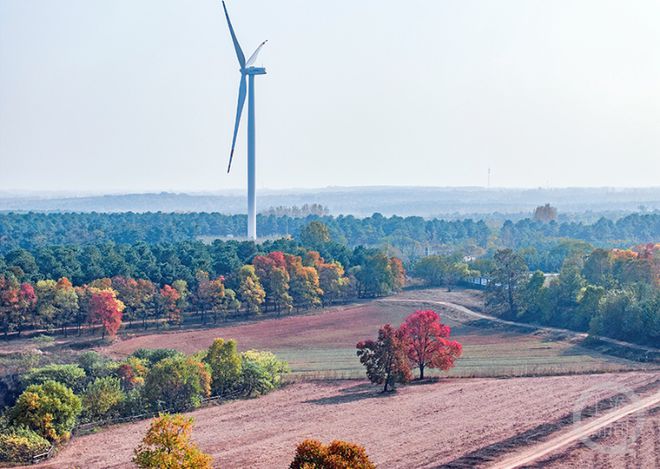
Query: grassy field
point(322, 344)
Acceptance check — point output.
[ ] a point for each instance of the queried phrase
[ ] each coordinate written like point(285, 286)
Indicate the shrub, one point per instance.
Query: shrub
point(50, 409)
point(177, 383)
point(153, 356)
point(167, 445)
point(261, 372)
point(102, 396)
point(71, 376)
point(95, 364)
point(19, 444)
point(133, 403)
point(312, 454)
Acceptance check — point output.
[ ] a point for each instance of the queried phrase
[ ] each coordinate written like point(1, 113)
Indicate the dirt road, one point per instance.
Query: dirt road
point(582, 431)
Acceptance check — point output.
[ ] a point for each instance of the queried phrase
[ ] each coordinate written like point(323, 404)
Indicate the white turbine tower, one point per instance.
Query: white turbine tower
point(247, 70)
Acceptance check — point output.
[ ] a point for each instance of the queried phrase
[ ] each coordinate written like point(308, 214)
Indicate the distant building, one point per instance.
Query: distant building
point(545, 213)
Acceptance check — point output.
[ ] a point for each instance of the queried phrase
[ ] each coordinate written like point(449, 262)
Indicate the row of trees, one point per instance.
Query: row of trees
point(421, 341)
point(51, 400)
point(34, 230)
point(611, 293)
point(276, 281)
point(167, 262)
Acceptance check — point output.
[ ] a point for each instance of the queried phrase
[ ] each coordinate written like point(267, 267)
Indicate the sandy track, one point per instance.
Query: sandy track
point(535, 453)
point(631, 442)
point(420, 426)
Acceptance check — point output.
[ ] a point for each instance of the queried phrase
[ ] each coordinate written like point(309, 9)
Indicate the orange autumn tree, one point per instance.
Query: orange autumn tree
point(167, 445)
point(104, 307)
point(312, 454)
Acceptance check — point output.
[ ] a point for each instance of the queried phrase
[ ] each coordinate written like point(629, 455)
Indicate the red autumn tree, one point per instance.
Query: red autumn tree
point(16, 303)
point(104, 307)
point(385, 359)
point(427, 342)
point(168, 303)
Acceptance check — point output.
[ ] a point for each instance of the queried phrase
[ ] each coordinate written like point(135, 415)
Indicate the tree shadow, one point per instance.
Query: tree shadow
point(355, 393)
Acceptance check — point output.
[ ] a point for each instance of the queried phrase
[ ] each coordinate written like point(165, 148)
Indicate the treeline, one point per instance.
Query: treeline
point(32, 230)
point(127, 289)
point(46, 403)
point(412, 236)
point(609, 293)
point(297, 212)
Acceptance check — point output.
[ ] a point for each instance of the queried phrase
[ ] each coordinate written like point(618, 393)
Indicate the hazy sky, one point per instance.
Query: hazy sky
point(133, 95)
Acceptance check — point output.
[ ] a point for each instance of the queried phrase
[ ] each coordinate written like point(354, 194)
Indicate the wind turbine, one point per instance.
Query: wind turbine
point(247, 70)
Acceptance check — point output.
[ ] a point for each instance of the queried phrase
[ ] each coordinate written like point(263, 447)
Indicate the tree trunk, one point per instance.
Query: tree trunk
point(421, 371)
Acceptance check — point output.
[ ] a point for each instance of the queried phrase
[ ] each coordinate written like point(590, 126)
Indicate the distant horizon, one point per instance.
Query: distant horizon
point(233, 191)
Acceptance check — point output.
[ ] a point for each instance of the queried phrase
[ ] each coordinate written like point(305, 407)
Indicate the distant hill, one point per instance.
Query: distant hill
point(359, 201)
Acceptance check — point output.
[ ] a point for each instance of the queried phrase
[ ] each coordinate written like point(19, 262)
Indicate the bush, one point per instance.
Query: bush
point(102, 397)
point(153, 356)
point(261, 372)
point(19, 444)
point(50, 409)
point(96, 365)
point(167, 445)
point(71, 376)
point(312, 454)
point(177, 383)
point(133, 403)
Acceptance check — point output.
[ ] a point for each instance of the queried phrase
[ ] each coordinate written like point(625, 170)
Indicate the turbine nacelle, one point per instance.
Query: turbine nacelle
point(253, 71)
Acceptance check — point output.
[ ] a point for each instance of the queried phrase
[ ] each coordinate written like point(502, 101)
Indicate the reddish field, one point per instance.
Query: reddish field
point(322, 344)
point(420, 426)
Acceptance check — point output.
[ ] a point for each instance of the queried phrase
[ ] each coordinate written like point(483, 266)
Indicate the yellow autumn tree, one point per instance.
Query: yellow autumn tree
point(167, 445)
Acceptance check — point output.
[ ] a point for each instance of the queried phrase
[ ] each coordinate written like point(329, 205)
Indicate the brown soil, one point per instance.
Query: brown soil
point(421, 425)
point(335, 327)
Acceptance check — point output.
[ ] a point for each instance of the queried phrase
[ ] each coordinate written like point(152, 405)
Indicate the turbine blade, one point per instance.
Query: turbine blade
point(237, 46)
point(239, 109)
point(254, 55)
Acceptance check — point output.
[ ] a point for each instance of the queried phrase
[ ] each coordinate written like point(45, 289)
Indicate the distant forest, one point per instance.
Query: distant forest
point(413, 237)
